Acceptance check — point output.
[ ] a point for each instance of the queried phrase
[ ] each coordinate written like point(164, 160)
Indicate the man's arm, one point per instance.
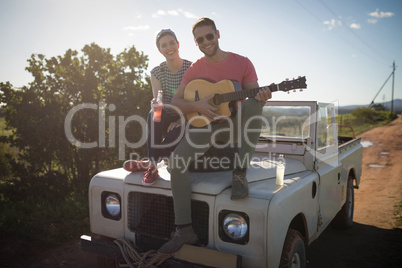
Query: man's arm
point(202, 106)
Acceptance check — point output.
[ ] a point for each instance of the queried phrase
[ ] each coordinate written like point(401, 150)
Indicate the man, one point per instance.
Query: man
point(216, 65)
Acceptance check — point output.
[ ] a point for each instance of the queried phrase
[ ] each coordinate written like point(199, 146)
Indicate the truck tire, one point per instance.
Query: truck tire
point(344, 218)
point(294, 250)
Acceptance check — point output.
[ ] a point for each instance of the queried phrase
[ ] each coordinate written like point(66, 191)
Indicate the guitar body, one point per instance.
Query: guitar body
point(199, 89)
point(226, 91)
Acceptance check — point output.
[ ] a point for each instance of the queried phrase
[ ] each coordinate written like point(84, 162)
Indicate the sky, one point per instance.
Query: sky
point(345, 48)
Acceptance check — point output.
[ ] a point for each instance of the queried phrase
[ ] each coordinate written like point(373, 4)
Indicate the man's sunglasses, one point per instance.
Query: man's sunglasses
point(209, 37)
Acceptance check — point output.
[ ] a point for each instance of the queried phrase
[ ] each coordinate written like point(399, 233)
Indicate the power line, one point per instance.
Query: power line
point(340, 36)
point(308, 11)
point(350, 30)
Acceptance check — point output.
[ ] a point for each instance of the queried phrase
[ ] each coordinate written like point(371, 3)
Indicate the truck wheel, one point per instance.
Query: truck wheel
point(294, 251)
point(344, 218)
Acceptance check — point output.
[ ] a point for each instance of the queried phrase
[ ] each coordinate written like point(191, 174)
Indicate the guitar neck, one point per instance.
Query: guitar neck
point(247, 93)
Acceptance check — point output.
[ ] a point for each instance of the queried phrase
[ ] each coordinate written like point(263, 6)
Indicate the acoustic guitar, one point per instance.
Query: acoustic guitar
point(226, 91)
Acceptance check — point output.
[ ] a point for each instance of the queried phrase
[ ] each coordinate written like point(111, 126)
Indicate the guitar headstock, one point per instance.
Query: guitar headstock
point(294, 84)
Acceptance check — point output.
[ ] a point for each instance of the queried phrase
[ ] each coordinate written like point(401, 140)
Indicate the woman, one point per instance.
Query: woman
point(166, 77)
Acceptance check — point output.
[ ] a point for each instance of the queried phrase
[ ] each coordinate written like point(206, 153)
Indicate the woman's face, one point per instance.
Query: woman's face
point(168, 47)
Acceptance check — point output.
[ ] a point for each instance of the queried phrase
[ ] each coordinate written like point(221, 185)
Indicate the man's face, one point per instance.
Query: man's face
point(207, 39)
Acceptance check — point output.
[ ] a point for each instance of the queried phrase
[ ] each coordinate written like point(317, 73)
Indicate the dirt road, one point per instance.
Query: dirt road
point(373, 241)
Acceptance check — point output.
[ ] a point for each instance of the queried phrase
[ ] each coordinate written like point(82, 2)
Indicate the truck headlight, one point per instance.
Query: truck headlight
point(111, 205)
point(234, 227)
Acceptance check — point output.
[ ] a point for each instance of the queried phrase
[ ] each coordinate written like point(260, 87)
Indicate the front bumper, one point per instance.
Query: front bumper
point(187, 256)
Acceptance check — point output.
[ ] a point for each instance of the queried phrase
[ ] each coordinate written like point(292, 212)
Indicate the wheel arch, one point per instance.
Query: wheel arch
point(299, 224)
point(352, 175)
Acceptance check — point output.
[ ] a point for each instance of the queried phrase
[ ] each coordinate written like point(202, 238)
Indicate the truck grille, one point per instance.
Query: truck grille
point(151, 218)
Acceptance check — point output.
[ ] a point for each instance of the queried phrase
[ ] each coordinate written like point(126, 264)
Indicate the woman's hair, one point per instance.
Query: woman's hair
point(163, 33)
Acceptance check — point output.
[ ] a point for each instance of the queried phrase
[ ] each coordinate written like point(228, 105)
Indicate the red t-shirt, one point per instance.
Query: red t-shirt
point(234, 67)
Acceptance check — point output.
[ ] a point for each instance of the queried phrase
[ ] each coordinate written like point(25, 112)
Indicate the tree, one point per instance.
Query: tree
point(364, 114)
point(378, 107)
point(113, 87)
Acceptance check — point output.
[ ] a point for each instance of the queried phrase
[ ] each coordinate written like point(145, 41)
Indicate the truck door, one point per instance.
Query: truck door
point(327, 164)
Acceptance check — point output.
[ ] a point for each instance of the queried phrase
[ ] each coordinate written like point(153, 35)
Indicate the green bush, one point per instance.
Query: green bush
point(5, 167)
point(363, 119)
point(38, 217)
point(365, 115)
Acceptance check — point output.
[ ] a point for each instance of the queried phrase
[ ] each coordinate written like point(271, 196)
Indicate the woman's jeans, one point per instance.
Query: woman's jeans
point(161, 143)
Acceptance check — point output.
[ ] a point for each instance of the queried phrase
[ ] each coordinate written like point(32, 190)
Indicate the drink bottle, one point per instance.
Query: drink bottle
point(158, 107)
point(280, 170)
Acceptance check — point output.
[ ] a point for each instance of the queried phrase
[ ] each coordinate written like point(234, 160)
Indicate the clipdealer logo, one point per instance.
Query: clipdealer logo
point(119, 139)
point(102, 108)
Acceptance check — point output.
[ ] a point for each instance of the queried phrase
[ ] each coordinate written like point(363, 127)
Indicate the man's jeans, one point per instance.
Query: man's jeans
point(243, 130)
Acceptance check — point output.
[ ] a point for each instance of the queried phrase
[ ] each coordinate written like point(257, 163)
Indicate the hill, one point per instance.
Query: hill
point(350, 108)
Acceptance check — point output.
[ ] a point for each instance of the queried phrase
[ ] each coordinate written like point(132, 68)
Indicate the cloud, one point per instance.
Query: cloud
point(332, 23)
point(216, 14)
point(177, 12)
point(354, 26)
point(381, 14)
point(159, 13)
point(173, 13)
point(188, 14)
point(372, 21)
point(137, 15)
point(137, 28)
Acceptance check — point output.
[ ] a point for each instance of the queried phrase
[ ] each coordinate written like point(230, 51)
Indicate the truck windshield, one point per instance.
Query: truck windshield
point(286, 121)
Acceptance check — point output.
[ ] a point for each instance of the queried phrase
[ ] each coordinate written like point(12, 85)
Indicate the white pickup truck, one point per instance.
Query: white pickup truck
point(272, 226)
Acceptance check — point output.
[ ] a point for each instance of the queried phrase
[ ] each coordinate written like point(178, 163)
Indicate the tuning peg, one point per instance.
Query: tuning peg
point(287, 79)
point(293, 78)
point(288, 92)
point(301, 90)
point(299, 76)
point(294, 90)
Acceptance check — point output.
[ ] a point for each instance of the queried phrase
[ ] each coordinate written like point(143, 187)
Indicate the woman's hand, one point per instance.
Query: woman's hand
point(153, 103)
point(174, 125)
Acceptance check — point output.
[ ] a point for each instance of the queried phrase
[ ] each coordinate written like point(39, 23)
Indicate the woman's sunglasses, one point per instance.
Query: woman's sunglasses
point(209, 37)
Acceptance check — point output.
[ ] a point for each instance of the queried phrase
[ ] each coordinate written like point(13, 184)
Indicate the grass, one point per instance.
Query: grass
point(359, 129)
point(360, 125)
point(398, 212)
point(398, 215)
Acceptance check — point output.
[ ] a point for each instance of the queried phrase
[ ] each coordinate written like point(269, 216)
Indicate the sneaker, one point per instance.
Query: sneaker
point(135, 165)
point(239, 185)
point(183, 235)
point(150, 176)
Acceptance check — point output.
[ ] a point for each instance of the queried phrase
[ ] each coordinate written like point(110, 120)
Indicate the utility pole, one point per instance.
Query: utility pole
point(393, 79)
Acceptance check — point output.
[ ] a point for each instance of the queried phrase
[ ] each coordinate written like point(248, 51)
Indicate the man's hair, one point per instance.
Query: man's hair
point(204, 22)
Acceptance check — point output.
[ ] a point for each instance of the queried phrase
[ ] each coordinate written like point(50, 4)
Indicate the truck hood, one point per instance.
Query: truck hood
point(213, 183)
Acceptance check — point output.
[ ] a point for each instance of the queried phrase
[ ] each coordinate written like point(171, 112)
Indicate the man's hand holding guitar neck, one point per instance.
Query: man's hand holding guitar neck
point(263, 94)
